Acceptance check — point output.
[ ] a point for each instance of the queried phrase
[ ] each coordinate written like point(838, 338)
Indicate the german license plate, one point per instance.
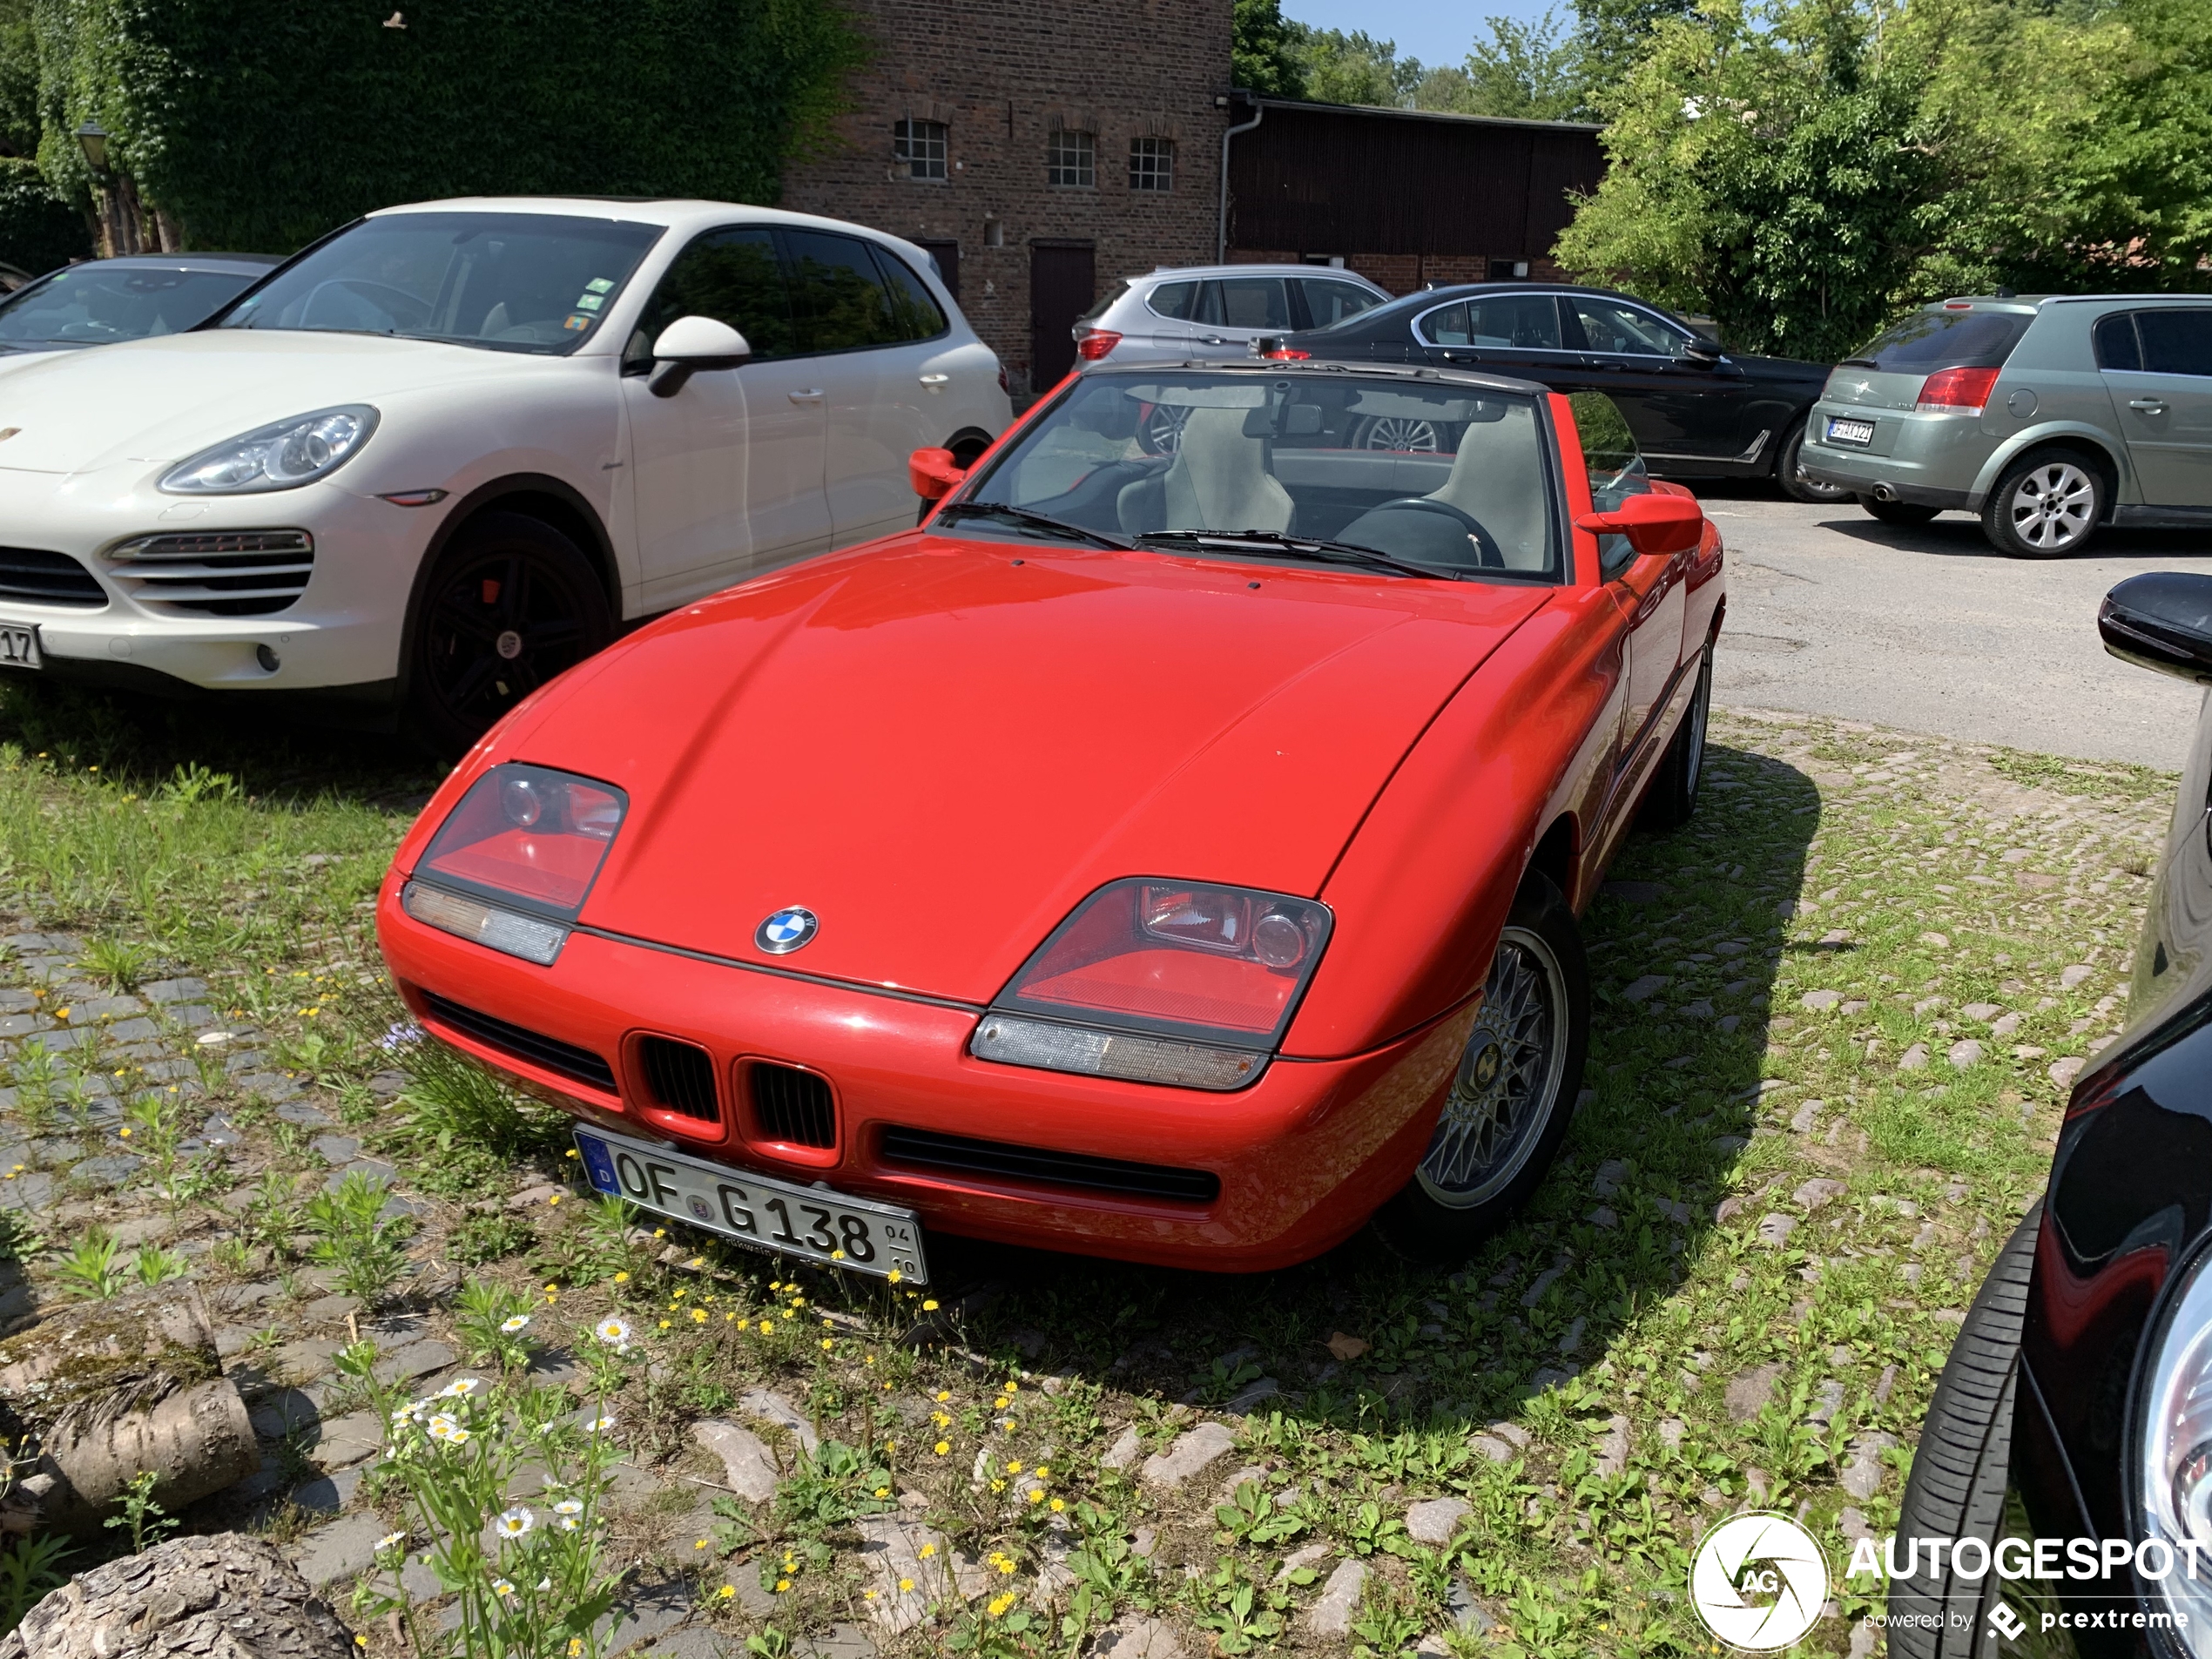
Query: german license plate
point(19, 646)
point(1858, 432)
point(781, 1217)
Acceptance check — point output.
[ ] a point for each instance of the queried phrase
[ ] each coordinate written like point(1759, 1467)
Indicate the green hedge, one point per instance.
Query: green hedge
point(38, 229)
point(261, 124)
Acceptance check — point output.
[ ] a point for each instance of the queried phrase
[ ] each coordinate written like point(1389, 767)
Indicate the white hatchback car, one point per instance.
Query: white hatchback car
point(435, 460)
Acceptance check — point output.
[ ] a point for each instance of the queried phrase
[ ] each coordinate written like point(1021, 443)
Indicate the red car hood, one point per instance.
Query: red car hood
point(940, 747)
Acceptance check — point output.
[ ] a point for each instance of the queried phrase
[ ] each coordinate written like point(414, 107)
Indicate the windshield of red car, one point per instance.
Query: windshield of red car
point(1435, 476)
point(526, 282)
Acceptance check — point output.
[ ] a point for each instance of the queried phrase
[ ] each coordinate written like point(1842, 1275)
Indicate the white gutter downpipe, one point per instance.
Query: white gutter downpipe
point(1221, 234)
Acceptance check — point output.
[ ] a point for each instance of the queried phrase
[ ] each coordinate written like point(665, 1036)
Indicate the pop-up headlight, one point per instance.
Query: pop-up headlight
point(1175, 983)
point(510, 866)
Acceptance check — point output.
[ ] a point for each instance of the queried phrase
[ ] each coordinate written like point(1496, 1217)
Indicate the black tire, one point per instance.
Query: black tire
point(510, 603)
point(1961, 1470)
point(1794, 484)
point(1899, 512)
point(1673, 794)
point(2046, 505)
point(1455, 1200)
point(968, 446)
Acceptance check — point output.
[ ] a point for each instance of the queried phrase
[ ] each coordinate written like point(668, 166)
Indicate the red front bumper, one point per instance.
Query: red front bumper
point(1304, 1155)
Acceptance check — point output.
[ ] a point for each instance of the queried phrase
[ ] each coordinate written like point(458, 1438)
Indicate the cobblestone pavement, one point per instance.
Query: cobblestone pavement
point(1836, 1020)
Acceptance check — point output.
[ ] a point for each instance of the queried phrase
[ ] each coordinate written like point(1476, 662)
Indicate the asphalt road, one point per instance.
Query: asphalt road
point(1927, 629)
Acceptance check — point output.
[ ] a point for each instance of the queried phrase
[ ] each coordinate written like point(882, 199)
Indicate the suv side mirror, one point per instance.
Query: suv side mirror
point(2162, 620)
point(1697, 352)
point(1656, 523)
point(934, 474)
point(691, 344)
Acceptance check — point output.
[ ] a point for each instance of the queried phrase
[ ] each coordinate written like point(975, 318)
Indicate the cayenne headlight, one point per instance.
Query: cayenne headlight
point(1186, 983)
point(510, 866)
point(282, 456)
point(2173, 1468)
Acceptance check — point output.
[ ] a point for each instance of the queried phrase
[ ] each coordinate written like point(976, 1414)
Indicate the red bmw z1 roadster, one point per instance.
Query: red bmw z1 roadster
point(1170, 849)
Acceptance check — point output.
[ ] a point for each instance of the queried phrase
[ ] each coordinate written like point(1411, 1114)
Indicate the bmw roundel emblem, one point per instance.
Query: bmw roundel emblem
point(786, 930)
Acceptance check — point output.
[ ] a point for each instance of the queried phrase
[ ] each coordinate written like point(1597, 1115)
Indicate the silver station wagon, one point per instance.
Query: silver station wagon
point(2049, 417)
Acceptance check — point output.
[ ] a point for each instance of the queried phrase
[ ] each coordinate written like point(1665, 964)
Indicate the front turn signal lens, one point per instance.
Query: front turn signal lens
point(528, 837)
point(1052, 1046)
point(486, 924)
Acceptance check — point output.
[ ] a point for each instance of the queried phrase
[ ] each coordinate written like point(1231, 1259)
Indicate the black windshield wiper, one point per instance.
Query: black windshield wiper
point(1040, 521)
point(1305, 547)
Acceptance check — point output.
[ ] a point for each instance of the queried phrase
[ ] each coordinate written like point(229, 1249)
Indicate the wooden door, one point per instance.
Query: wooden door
point(1061, 286)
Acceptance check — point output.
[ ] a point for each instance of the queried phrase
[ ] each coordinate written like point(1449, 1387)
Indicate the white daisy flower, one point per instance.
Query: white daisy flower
point(512, 1326)
point(513, 1523)
point(390, 1540)
point(445, 1429)
point(501, 1587)
point(459, 1388)
point(568, 1507)
point(614, 1332)
point(599, 1423)
point(567, 1523)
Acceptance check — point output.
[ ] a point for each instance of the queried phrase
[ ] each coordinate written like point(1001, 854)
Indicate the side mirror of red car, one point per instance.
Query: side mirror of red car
point(934, 474)
point(1654, 523)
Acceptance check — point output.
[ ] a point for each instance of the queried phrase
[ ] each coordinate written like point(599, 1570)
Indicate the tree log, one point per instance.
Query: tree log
point(103, 1390)
point(227, 1596)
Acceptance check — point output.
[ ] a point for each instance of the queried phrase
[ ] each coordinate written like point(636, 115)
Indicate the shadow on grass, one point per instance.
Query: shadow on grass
point(1670, 1099)
point(273, 750)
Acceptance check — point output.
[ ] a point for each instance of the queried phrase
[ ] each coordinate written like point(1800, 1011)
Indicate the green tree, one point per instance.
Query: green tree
point(18, 79)
point(1533, 71)
point(1356, 68)
point(1804, 168)
point(1263, 49)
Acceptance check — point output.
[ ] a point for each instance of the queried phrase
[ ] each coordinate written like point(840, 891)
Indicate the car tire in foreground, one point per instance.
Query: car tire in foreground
point(1673, 795)
point(1898, 512)
point(2046, 505)
point(510, 603)
point(1513, 1095)
point(1960, 1469)
point(1794, 483)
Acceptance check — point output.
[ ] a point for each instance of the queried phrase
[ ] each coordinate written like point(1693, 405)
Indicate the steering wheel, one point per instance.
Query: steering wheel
point(1490, 555)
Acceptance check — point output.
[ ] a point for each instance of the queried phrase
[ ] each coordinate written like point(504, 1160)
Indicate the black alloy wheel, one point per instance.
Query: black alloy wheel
point(511, 604)
point(1789, 472)
point(1898, 512)
point(1513, 1095)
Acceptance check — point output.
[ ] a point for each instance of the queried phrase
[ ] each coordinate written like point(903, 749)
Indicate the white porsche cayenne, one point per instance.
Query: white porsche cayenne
point(453, 448)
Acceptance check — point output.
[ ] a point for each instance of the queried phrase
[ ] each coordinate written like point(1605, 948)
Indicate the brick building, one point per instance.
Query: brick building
point(1038, 151)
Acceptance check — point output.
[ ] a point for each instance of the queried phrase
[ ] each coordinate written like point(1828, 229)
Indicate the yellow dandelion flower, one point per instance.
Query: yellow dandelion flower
point(943, 1446)
point(1044, 1471)
point(623, 1278)
point(1059, 1504)
point(837, 1255)
point(727, 1591)
point(928, 1550)
point(905, 1584)
point(767, 1327)
point(929, 1306)
point(894, 1275)
point(1013, 1468)
point(782, 1584)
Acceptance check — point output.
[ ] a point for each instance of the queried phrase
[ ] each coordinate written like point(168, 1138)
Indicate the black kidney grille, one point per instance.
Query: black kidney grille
point(792, 1105)
point(48, 579)
point(565, 1058)
point(997, 1158)
point(680, 1077)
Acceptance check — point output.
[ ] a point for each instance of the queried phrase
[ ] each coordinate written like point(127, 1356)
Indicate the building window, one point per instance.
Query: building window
point(1151, 163)
point(1071, 157)
point(920, 145)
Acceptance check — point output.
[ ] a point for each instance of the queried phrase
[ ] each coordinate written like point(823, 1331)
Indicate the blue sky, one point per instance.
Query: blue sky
point(1432, 31)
